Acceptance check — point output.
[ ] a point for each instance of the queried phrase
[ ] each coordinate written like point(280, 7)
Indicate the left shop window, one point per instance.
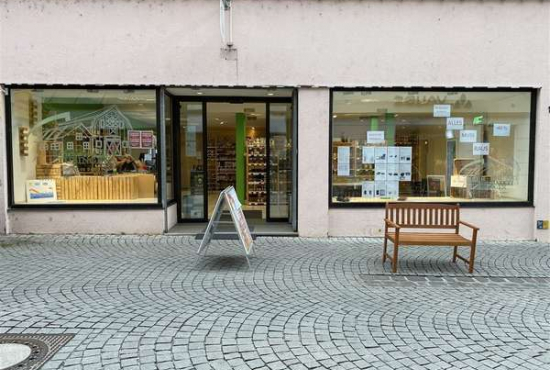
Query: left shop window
point(84, 146)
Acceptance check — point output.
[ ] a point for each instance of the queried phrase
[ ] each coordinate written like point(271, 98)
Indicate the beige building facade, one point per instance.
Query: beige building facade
point(312, 86)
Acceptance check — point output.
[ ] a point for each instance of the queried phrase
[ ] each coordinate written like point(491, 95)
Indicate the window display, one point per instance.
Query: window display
point(425, 146)
point(81, 146)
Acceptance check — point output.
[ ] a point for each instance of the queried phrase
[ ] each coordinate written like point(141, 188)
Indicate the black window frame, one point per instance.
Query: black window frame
point(75, 206)
point(495, 204)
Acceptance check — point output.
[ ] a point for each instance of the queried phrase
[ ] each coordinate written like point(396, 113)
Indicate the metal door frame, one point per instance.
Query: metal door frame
point(204, 100)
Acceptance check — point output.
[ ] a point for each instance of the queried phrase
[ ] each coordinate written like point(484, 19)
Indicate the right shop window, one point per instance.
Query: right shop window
point(455, 146)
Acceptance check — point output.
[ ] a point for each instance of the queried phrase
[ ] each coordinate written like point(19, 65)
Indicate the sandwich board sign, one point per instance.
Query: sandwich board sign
point(228, 198)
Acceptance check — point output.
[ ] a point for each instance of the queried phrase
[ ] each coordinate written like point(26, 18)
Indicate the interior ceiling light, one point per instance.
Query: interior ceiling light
point(222, 122)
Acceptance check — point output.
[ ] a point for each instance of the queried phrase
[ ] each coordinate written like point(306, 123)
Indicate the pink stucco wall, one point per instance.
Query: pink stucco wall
point(297, 43)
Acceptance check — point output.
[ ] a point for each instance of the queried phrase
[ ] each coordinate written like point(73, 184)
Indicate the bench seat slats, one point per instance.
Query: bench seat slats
point(443, 239)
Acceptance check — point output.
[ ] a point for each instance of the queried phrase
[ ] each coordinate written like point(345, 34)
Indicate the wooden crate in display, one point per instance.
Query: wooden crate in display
point(120, 187)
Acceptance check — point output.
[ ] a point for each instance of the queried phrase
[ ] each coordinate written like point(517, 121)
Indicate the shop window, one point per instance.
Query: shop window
point(82, 146)
point(425, 146)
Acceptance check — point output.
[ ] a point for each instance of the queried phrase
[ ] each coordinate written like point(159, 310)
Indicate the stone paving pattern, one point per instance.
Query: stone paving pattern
point(149, 302)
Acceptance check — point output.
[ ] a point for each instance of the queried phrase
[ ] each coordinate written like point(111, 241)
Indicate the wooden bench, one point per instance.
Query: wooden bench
point(440, 217)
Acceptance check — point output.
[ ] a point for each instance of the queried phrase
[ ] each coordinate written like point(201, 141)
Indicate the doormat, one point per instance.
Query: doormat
point(42, 348)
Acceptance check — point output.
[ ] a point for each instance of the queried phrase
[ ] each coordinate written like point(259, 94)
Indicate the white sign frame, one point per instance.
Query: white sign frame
point(228, 197)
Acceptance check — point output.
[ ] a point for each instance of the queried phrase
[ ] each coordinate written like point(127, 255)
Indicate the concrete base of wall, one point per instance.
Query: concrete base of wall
point(495, 223)
point(86, 222)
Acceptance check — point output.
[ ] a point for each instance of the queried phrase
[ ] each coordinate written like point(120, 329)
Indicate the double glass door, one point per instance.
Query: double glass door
point(248, 145)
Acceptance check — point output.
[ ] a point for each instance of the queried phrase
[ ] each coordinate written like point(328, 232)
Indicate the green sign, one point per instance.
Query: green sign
point(478, 120)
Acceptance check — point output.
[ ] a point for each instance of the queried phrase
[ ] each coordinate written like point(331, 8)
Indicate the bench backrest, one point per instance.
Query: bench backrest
point(421, 215)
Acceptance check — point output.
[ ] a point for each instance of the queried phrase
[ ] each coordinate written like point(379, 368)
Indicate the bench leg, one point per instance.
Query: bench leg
point(455, 253)
point(385, 249)
point(394, 259)
point(472, 258)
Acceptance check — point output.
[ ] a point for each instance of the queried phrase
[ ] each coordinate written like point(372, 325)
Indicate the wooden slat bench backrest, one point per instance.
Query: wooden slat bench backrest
point(421, 215)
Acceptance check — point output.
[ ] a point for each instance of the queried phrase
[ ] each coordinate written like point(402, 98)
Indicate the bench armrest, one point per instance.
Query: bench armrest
point(469, 225)
point(390, 223)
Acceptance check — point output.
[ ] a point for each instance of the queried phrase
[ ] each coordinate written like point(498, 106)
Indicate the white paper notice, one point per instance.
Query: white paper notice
point(380, 154)
point(501, 129)
point(468, 136)
point(481, 149)
point(392, 189)
point(393, 154)
point(380, 188)
point(343, 161)
point(375, 137)
point(392, 172)
point(442, 110)
point(405, 154)
point(191, 141)
point(455, 123)
point(367, 189)
point(380, 172)
point(405, 172)
point(368, 154)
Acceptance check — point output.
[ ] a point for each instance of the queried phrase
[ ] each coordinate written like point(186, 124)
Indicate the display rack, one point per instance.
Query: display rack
point(221, 162)
point(280, 175)
point(256, 165)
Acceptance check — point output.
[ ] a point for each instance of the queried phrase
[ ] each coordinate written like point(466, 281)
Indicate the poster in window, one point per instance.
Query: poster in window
point(393, 154)
point(380, 172)
point(501, 129)
point(375, 137)
point(380, 188)
point(481, 148)
point(380, 154)
point(405, 172)
point(405, 154)
point(147, 139)
point(368, 154)
point(191, 148)
point(455, 123)
point(343, 161)
point(367, 189)
point(134, 138)
point(191, 141)
point(442, 110)
point(41, 191)
point(392, 189)
point(468, 136)
point(392, 172)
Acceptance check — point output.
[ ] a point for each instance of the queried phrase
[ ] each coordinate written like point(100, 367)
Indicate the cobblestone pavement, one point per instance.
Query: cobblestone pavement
point(150, 303)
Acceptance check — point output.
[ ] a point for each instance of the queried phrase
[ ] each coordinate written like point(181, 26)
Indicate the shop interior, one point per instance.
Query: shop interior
point(237, 131)
point(84, 146)
point(441, 161)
